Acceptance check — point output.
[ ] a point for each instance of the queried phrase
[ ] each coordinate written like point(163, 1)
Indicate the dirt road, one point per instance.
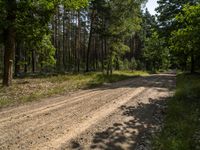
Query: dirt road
point(109, 117)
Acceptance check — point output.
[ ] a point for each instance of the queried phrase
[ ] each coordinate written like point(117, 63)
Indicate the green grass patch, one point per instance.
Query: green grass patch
point(182, 123)
point(31, 88)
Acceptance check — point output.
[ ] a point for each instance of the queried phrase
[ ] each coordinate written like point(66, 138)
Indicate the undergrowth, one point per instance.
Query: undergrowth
point(182, 123)
point(31, 88)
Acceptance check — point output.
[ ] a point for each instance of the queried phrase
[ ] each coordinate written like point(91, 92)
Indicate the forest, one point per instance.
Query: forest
point(61, 36)
point(99, 74)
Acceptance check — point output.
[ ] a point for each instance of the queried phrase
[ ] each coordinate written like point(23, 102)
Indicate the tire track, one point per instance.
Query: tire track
point(69, 116)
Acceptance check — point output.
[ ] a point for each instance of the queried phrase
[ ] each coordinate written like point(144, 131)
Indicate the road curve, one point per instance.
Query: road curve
point(74, 121)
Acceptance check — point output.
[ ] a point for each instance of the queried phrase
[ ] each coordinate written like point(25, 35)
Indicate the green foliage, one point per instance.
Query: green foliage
point(77, 4)
point(185, 41)
point(181, 129)
point(148, 24)
point(168, 9)
point(117, 49)
point(33, 17)
point(125, 65)
point(155, 53)
point(133, 64)
point(118, 20)
point(129, 65)
point(46, 52)
point(169, 23)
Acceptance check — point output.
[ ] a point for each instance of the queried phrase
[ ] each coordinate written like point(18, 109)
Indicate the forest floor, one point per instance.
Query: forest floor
point(121, 115)
point(37, 86)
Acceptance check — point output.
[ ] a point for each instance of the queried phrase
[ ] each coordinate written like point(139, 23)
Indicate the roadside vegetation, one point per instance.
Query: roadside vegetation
point(182, 123)
point(33, 88)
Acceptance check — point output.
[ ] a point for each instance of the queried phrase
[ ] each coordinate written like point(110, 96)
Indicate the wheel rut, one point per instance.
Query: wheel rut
point(48, 125)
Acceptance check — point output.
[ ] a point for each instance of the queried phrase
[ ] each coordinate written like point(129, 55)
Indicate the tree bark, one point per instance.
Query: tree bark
point(9, 43)
point(102, 55)
point(192, 63)
point(79, 41)
point(33, 61)
point(26, 61)
point(64, 39)
point(17, 59)
point(90, 40)
point(9, 56)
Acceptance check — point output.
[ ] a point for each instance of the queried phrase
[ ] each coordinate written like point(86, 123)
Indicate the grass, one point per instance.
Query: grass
point(32, 88)
point(182, 124)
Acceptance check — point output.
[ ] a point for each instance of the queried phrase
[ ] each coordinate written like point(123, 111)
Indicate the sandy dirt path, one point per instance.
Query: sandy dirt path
point(109, 117)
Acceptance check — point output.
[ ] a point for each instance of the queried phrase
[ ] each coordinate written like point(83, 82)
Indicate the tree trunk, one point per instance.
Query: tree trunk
point(54, 31)
point(9, 56)
point(58, 43)
point(26, 61)
point(79, 41)
point(70, 41)
point(9, 43)
point(17, 59)
point(90, 40)
point(33, 61)
point(64, 40)
point(192, 63)
point(102, 55)
point(1, 58)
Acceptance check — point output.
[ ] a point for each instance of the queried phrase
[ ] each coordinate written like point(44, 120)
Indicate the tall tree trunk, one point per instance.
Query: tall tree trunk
point(54, 31)
point(134, 46)
point(102, 55)
point(9, 56)
point(192, 62)
point(26, 61)
point(84, 45)
point(90, 40)
point(95, 53)
point(74, 38)
point(1, 58)
point(9, 43)
point(64, 40)
point(57, 40)
point(17, 58)
point(61, 50)
point(69, 41)
point(33, 61)
point(105, 50)
point(78, 41)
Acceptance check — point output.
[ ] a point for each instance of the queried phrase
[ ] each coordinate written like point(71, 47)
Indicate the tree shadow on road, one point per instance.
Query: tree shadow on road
point(141, 121)
point(135, 133)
